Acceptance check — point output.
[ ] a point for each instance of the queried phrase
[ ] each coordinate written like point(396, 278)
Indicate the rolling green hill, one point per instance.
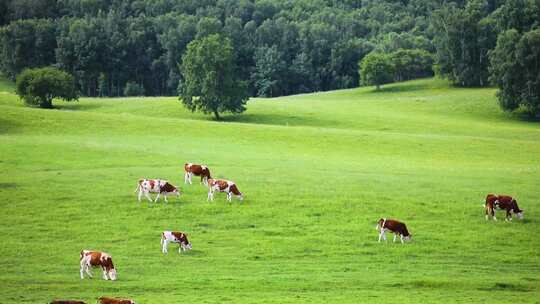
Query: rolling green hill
point(317, 172)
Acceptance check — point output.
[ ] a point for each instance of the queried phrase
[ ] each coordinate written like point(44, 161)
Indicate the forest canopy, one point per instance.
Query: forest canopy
point(280, 47)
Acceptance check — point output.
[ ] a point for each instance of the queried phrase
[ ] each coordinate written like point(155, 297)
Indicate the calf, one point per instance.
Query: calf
point(105, 300)
point(503, 202)
point(221, 185)
point(197, 170)
point(174, 237)
point(66, 302)
point(395, 227)
point(159, 186)
point(97, 259)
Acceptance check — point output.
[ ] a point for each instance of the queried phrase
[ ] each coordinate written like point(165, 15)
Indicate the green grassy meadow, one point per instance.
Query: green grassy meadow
point(317, 172)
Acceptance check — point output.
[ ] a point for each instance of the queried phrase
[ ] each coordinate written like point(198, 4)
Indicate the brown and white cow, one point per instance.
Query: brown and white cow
point(67, 302)
point(221, 185)
point(106, 300)
point(394, 226)
point(197, 170)
point(175, 237)
point(503, 202)
point(159, 186)
point(90, 258)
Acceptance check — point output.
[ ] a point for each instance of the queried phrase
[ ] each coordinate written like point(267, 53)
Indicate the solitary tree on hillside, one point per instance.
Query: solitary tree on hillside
point(209, 83)
point(39, 86)
point(376, 69)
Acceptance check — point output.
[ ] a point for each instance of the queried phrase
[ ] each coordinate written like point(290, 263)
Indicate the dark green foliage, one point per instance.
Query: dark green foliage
point(270, 70)
point(463, 39)
point(376, 69)
point(133, 89)
point(410, 64)
point(315, 45)
point(209, 84)
point(26, 44)
point(515, 69)
point(40, 85)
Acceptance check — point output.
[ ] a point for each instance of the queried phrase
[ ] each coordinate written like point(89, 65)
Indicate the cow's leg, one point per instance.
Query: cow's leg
point(229, 196)
point(508, 215)
point(402, 242)
point(395, 236)
point(82, 269)
point(157, 197)
point(87, 270)
point(164, 248)
point(148, 196)
point(180, 248)
point(186, 178)
point(492, 211)
point(189, 178)
point(210, 195)
point(381, 235)
point(105, 277)
point(140, 194)
point(165, 197)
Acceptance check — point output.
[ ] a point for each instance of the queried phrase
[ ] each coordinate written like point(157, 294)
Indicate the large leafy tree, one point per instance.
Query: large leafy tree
point(39, 86)
point(463, 39)
point(376, 69)
point(515, 69)
point(209, 84)
point(26, 44)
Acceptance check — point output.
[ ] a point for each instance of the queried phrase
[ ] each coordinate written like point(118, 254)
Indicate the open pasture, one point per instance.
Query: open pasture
point(317, 172)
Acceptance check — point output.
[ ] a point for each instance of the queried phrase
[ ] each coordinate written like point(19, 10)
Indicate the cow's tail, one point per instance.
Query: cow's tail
point(81, 255)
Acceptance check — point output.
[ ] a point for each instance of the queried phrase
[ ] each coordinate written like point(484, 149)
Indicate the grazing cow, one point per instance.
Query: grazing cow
point(174, 237)
point(395, 227)
point(158, 186)
point(503, 202)
point(222, 185)
point(197, 170)
point(97, 259)
point(105, 300)
point(67, 302)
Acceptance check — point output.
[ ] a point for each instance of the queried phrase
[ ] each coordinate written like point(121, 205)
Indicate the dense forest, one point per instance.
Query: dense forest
point(135, 47)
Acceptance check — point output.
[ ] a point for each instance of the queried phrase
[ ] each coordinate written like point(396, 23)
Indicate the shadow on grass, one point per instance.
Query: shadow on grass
point(77, 106)
point(276, 120)
point(8, 126)
point(401, 88)
point(506, 287)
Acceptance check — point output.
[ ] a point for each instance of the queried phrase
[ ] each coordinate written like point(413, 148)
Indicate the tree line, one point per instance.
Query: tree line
point(126, 47)
point(277, 47)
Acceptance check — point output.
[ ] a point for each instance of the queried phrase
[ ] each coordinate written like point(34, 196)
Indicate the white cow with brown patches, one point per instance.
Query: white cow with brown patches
point(221, 185)
point(90, 258)
point(159, 186)
point(175, 237)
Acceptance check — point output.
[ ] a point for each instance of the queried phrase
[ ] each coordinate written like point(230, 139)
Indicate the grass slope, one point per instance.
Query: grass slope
point(317, 171)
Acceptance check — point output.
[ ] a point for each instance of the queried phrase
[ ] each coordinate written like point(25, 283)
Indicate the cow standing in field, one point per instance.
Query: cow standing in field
point(97, 259)
point(197, 170)
point(159, 186)
point(394, 226)
point(221, 185)
point(67, 302)
point(105, 300)
point(175, 237)
point(503, 202)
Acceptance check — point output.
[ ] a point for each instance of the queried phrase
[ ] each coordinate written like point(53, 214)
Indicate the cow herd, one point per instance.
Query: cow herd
point(98, 259)
point(163, 188)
